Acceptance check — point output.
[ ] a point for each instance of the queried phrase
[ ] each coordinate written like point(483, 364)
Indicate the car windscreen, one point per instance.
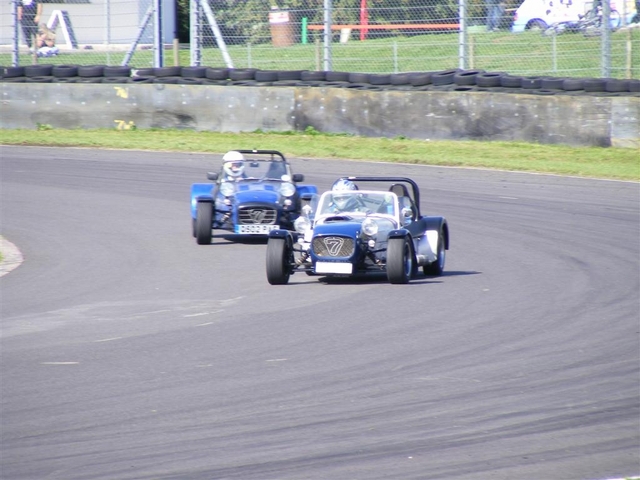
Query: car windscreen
point(266, 169)
point(358, 202)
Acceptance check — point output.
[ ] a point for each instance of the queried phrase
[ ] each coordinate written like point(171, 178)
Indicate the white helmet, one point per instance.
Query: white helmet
point(233, 163)
point(347, 199)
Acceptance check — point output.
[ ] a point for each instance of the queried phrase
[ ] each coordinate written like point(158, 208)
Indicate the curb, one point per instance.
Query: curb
point(11, 256)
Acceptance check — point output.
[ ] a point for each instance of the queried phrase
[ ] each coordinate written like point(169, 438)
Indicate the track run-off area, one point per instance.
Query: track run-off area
point(129, 352)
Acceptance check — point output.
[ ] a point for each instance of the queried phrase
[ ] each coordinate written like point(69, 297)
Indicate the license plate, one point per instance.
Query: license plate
point(255, 229)
point(342, 268)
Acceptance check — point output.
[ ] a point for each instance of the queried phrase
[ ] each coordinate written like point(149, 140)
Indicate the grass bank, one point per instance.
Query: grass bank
point(594, 162)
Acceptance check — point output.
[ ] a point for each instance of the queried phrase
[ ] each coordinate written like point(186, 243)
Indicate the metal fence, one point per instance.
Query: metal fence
point(369, 36)
point(87, 32)
point(390, 36)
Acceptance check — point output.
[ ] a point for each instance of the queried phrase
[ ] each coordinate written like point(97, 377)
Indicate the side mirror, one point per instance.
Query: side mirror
point(298, 177)
point(212, 176)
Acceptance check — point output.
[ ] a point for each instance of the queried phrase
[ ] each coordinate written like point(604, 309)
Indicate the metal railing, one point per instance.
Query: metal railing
point(373, 36)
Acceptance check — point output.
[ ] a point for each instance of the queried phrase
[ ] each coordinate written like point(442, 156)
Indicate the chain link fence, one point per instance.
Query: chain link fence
point(372, 36)
point(89, 32)
point(391, 36)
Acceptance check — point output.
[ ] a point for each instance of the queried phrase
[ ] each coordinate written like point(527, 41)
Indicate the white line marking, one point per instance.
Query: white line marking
point(201, 314)
point(230, 300)
point(278, 360)
point(60, 363)
point(107, 339)
point(451, 378)
point(152, 312)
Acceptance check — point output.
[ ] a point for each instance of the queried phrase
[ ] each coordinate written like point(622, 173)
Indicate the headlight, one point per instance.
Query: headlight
point(369, 227)
point(287, 189)
point(302, 225)
point(227, 189)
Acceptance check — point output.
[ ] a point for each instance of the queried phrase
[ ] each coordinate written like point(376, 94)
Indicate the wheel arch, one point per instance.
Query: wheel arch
point(200, 192)
point(399, 233)
point(282, 233)
point(441, 225)
point(536, 23)
point(306, 189)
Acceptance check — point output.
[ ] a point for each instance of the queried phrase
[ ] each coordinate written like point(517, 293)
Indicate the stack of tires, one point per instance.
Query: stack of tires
point(452, 80)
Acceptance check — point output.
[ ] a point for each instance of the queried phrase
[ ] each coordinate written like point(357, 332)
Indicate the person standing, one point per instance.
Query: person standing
point(494, 14)
point(29, 12)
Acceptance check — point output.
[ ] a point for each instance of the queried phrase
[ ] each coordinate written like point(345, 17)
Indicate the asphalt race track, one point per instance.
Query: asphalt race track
point(129, 352)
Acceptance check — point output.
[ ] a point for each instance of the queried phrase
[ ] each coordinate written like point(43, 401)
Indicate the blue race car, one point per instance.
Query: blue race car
point(350, 230)
point(254, 193)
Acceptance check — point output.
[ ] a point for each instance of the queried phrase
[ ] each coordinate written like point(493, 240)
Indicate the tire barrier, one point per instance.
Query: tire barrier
point(444, 77)
point(337, 76)
point(167, 72)
point(481, 80)
point(86, 71)
point(531, 83)
point(466, 77)
point(65, 71)
point(193, 72)
point(38, 70)
point(116, 71)
point(399, 79)
point(242, 74)
point(489, 79)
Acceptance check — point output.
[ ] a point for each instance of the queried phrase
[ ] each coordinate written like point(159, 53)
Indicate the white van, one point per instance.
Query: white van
point(539, 14)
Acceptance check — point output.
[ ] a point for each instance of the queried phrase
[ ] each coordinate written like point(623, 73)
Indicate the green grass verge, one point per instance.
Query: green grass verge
point(527, 53)
point(594, 162)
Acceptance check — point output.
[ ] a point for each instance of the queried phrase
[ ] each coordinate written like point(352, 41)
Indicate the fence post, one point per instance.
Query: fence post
point(107, 30)
point(462, 37)
point(15, 45)
point(606, 38)
point(158, 41)
point(176, 39)
point(628, 49)
point(195, 37)
point(327, 35)
point(554, 52)
point(34, 54)
point(395, 57)
point(303, 33)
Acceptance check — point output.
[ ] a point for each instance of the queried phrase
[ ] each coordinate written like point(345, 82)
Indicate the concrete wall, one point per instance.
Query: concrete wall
point(582, 120)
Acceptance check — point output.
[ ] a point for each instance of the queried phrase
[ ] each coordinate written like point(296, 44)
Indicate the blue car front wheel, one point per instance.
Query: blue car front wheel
point(204, 223)
point(399, 260)
point(279, 258)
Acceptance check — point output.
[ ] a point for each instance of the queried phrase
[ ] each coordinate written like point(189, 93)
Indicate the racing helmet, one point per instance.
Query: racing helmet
point(346, 186)
point(233, 163)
